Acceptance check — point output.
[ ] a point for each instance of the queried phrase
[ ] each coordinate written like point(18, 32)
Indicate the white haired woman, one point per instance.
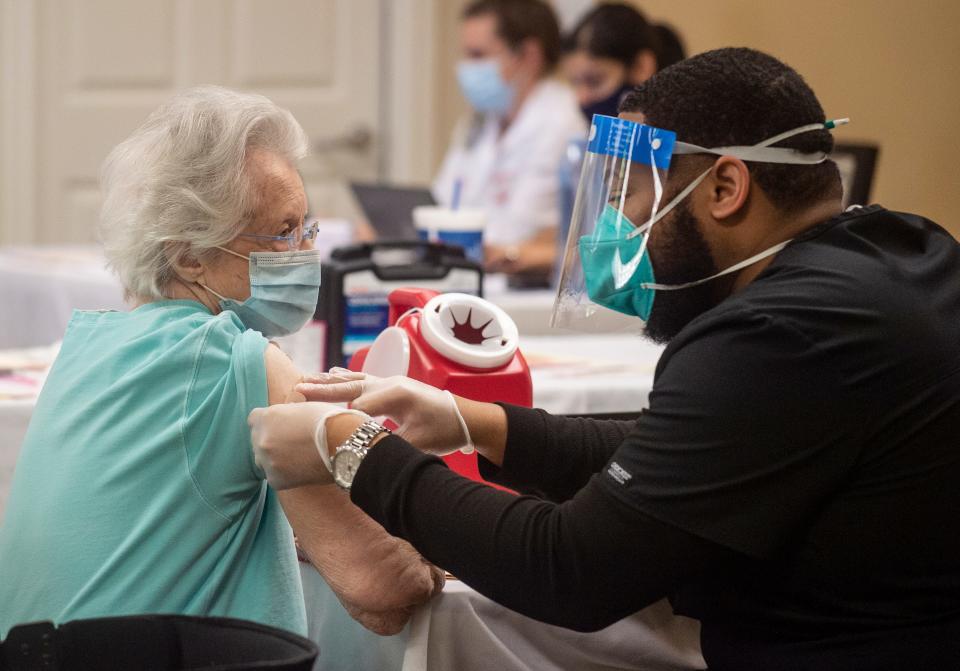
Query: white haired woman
point(136, 490)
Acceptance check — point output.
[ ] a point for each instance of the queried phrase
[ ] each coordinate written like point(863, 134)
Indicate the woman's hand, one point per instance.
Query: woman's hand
point(535, 256)
point(426, 417)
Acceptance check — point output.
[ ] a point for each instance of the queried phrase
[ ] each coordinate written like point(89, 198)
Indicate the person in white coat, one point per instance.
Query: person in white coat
point(504, 158)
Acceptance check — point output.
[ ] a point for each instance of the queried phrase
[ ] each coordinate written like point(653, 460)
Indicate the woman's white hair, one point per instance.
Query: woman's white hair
point(178, 186)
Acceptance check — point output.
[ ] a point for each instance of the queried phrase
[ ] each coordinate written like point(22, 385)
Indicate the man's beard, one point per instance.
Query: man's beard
point(683, 256)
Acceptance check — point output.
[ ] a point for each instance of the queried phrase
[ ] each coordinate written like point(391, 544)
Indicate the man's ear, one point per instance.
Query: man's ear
point(729, 182)
point(185, 265)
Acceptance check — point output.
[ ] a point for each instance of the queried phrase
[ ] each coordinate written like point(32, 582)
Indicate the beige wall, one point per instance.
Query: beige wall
point(892, 66)
point(449, 100)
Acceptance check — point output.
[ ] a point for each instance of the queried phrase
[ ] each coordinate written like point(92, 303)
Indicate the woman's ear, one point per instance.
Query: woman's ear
point(729, 182)
point(185, 265)
point(643, 67)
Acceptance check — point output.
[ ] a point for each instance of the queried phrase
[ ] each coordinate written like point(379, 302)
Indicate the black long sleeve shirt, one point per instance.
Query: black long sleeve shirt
point(570, 561)
point(793, 483)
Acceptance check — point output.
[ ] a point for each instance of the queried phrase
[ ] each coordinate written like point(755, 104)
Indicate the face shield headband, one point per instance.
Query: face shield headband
point(758, 153)
point(607, 280)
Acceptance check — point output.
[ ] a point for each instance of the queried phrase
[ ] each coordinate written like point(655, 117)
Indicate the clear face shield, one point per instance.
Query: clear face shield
point(607, 283)
point(622, 182)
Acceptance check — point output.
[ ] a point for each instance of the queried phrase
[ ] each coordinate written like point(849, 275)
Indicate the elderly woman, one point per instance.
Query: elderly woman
point(136, 490)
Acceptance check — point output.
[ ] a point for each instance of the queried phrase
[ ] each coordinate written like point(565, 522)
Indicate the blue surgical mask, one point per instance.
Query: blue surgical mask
point(484, 87)
point(615, 274)
point(284, 287)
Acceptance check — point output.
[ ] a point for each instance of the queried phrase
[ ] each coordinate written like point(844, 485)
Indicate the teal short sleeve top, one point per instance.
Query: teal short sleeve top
point(136, 490)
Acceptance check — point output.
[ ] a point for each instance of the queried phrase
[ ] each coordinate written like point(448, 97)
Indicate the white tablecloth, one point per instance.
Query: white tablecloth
point(580, 374)
point(529, 308)
point(462, 630)
point(40, 287)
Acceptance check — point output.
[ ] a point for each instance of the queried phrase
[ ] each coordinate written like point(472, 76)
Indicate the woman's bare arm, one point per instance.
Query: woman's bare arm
point(378, 578)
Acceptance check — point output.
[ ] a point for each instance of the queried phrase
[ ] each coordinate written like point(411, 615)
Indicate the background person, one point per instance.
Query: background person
point(135, 490)
point(504, 157)
point(670, 47)
point(611, 50)
point(792, 483)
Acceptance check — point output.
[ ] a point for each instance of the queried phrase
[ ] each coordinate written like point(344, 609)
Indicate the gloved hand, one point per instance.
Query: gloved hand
point(426, 417)
point(290, 442)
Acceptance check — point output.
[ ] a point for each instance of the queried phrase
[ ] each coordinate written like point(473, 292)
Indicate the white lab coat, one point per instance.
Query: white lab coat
point(514, 175)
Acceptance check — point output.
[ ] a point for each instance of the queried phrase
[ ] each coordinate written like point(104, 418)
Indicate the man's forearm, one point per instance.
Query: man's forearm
point(552, 562)
point(535, 452)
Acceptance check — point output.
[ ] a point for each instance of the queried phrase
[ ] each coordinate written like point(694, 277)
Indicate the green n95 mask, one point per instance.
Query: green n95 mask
point(615, 269)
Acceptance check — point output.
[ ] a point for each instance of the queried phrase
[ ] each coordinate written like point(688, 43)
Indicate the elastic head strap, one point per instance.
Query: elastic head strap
point(756, 154)
point(763, 152)
point(644, 227)
point(230, 251)
point(732, 269)
point(218, 295)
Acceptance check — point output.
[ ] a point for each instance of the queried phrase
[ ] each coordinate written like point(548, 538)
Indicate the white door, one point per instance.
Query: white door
point(87, 72)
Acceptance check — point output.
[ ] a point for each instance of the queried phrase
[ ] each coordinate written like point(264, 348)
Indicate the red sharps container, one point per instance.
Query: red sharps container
point(452, 341)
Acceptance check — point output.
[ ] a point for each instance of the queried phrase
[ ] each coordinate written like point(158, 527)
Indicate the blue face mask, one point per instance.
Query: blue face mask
point(608, 106)
point(615, 276)
point(484, 87)
point(284, 287)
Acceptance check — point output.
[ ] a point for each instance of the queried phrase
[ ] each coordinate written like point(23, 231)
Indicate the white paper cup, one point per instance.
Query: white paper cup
point(463, 227)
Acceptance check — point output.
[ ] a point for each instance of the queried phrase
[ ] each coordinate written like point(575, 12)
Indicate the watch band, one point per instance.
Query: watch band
point(320, 436)
point(359, 444)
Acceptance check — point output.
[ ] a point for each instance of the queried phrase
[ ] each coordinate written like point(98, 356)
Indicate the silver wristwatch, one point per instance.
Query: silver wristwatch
point(347, 458)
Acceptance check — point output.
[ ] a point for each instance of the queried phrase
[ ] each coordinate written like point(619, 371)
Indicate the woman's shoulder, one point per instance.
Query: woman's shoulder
point(223, 342)
point(191, 320)
point(179, 331)
point(226, 329)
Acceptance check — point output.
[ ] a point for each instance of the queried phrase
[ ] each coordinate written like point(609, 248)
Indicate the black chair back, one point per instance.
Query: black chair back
point(155, 643)
point(857, 163)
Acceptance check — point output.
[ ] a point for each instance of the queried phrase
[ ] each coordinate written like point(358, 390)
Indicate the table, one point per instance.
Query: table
point(590, 374)
point(529, 308)
point(460, 629)
point(41, 286)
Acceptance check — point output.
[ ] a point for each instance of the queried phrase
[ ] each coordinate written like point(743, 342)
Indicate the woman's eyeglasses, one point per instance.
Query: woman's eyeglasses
point(293, 239)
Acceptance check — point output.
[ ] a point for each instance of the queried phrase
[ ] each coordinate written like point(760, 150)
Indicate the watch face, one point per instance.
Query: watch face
point(345, 465)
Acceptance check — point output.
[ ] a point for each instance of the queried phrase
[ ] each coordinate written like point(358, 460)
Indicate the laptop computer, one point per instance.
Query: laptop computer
point(389, 209)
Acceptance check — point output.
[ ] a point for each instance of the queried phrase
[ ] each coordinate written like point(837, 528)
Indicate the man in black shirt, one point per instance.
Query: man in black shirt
point(794, 482)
